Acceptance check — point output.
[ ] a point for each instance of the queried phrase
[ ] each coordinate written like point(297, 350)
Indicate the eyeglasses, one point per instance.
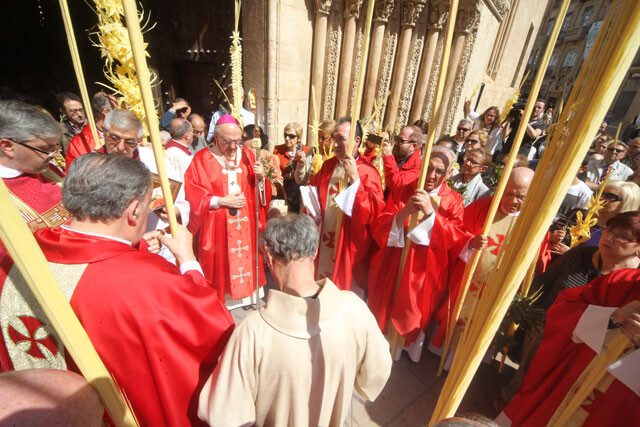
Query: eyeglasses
point(232, 141)
point(612, 197)
point(473, 141)
point(472, 162)
point(49, 154)
point(619, 237)
point(616, 150)
point(115, 139)
point(76, 110)
point(463, 129)
point(290, 136)
point(399, 140)
point(438, 172)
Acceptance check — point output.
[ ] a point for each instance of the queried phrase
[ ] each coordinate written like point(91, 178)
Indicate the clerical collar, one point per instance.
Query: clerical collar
point(435, 191)
point(102, 236)
point(7, 173)
point(509, 214)
point(224, 162)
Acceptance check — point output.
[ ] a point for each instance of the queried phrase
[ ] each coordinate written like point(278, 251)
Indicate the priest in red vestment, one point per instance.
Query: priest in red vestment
point(83, 142)
point(358, 205)
point(581, 324)
point(474, 217)
point(159, 329)
point(220, 185)
point(28, 142)
point(436, 242)
point(402, 161)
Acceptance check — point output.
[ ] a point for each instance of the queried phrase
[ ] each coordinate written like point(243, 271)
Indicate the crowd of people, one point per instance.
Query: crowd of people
point(327, 224)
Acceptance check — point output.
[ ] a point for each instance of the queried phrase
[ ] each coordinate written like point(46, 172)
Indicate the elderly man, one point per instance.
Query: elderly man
point(633, 153)
point(597, 170)
point(83, 143)
point(436, 241)
point(73, 117)
point(402, 162)
point(157, 328)
point(199, 141)
point(177, 149)
point(474, 218)
point(318, 341)
point(359, 203)
point(462, 131)
point(221, 186)
point(28, 142)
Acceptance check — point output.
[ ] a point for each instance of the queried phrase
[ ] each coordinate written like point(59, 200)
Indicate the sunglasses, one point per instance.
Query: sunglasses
point(616, 150)
point(290, 136)
point(401, 141)
point(463, 129)
point(473, 141)
point(611, 197)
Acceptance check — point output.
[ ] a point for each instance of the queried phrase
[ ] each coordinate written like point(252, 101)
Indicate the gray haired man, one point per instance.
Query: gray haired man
point(297, 360)
point(158, 328)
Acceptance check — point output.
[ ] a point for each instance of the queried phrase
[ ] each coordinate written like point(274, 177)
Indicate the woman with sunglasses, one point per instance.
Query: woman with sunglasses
point(476, 139)
point(289, 154)
point(618, 248)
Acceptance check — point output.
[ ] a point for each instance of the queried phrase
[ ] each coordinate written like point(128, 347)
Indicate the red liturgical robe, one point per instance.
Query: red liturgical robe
point(397, 178)
point(560, 361)
point(80, 144)
point(425, 277)
point(158, 332)
point(226, 243)
point(355, 240)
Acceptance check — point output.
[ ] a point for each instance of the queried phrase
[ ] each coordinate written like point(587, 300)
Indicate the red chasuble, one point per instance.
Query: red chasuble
point(560, 361)
point(398, 178)
point(158, 332)
point(355, 241)
point(226, 244)
point(425, 277)
point(80, 144)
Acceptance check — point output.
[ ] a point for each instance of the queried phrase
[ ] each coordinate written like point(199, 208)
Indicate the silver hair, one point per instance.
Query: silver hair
point(179, 127)
point(22, 122)
point(99, 103)
point(164, 136)
point(123, 120)
point(446, 151)
point(290, 237)
point(99, 187)
point(466, 122)
point(630, 193)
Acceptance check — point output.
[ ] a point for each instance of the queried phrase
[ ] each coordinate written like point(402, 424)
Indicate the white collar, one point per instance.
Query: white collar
point(509, 214)
point(7, 173)
point(435, 191)
point(126, 242)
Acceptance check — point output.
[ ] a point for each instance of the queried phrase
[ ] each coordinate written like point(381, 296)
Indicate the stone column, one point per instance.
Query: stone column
point(351, 13)
point(322, 8)
point(467, 21)
point(380, 20)
point(438, 14)
point(410, 12)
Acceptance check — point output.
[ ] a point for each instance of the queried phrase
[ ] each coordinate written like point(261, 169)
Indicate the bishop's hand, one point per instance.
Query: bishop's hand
point(232, 201)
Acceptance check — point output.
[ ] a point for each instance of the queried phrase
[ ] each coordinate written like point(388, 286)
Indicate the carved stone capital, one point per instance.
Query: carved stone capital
point(411, 11)
point(468, 17)
point(383, 10)
point(438, 14)
point(352, 8)
point(499, 8)
point(322, 6)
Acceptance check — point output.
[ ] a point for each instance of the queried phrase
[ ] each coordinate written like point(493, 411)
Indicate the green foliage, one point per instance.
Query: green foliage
point(524, 315)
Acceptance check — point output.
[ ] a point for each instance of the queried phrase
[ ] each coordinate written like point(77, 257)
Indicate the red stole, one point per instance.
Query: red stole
point(175, 144)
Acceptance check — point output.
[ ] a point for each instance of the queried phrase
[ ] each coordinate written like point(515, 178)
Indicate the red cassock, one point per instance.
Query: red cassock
point(560, 361)
point(354, 241)
point(396, 177)
point(474, 218)
point(80, 144)
point(425, 277)
point(226, 244)
point(158, 332)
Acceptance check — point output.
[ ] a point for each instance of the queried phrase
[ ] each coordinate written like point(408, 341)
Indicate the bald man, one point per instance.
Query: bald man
point(436, 241)
point(51, 397)
point(177, 149)
point(199, 140)
point(474, 218)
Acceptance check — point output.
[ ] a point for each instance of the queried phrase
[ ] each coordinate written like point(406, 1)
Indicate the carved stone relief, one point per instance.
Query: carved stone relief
point(386, 70)
point(332, 63)
point(322, 6)
point(411, 11)
point(411, 74)
point(383, 10)
point(352, 8)
point(438, 14)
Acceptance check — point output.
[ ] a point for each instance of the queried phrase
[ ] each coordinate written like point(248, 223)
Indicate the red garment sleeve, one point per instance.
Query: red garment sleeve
point(369, 200)
point(198, 193)
point(396, 178)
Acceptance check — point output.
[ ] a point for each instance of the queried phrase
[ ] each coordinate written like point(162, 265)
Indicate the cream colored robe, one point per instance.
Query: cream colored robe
point(296, 361)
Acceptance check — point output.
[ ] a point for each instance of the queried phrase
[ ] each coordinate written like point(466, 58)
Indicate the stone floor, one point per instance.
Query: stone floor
point(412, 391)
